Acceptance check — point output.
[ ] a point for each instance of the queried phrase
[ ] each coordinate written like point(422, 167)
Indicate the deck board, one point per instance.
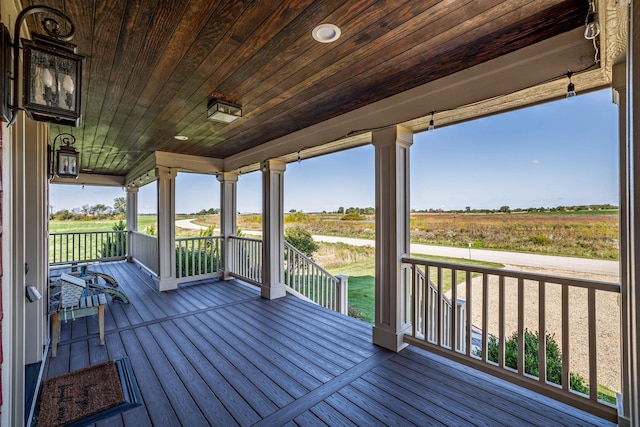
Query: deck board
point(215, 353)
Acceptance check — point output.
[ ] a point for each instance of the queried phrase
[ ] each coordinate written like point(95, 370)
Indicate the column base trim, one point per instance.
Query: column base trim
point(273, 292)
point(168, 284)
point(390, 340)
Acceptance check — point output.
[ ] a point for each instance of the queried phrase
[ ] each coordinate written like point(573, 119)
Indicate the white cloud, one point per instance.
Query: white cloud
point(535, 161)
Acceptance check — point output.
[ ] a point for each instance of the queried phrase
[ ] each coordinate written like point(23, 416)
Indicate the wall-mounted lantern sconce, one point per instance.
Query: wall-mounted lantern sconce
point(52, 73)
point(67, 163)
point(224, 112)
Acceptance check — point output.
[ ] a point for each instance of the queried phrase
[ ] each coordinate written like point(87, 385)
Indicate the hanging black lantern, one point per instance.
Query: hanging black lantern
point(52, 74)
point(67, 158)
point(52, 81)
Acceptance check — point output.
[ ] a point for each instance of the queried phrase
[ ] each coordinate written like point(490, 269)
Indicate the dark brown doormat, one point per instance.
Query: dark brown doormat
point(87, 395)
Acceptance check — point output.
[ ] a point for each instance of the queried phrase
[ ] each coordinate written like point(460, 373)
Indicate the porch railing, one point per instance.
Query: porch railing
point(144, 250)
point(246, 259)
point(198, 258)
point(82, 247)
point(303, 277)
point(500, 305)
point(306, 279)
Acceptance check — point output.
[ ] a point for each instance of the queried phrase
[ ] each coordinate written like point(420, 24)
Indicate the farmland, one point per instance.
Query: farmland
point(592, 235)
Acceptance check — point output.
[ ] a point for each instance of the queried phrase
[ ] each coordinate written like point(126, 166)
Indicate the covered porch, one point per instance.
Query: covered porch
point(148, 93)
point(204, 355)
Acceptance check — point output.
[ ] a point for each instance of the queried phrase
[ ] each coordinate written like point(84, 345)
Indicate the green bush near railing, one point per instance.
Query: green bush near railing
point(116, 246)
point(554, 362)
point(195, 262)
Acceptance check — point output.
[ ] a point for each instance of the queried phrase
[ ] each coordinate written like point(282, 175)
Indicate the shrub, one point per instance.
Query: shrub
point(354, 312)
point(118, 245)
point(207, 232)
point(301, 239)
point(192, 262)
point(150, 230)
point(554, 361)
point(352, 217)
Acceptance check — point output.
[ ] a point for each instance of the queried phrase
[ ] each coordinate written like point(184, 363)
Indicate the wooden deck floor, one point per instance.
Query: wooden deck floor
point(215, 353)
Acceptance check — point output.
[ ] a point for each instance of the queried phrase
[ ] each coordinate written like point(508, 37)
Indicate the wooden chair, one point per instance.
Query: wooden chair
point(76, 300)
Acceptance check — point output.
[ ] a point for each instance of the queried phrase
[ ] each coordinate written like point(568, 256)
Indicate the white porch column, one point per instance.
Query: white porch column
point(392, 235)
point(630, 221)
point(132, 218)
point(166, 228)
point(273, 228)
point(13, 280)
point(36, 237)
point(228, 191)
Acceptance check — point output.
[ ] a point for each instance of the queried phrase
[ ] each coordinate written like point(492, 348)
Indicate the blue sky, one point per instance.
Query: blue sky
point(560, 153)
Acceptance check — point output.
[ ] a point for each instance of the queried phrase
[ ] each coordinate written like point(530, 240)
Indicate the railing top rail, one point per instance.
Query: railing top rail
point(247, 239)
point(579, 283)
point(306, 258)
point(65, 233)
point(182, 239)
point(140, 233)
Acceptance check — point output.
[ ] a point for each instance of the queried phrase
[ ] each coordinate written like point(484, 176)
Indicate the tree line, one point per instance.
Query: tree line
point(97, 211)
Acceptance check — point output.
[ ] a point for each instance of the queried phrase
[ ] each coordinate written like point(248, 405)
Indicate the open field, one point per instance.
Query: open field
point(590, 234)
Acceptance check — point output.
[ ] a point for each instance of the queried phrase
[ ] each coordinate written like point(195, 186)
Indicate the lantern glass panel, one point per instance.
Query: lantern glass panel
point(53, 80)
point(67, 164)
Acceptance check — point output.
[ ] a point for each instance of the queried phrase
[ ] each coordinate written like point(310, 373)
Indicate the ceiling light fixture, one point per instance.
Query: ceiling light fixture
point(52, 71)
point(571, 89)
point(431, 125)
point(221, 111)
point(326, 33)
point(181, 137)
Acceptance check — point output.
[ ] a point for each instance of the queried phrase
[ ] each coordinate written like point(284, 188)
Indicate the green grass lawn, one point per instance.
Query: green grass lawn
point(56, 226)
point(362, 280)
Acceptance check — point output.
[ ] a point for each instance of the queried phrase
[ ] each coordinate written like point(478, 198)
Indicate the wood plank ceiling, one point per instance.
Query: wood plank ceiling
point(152, 66)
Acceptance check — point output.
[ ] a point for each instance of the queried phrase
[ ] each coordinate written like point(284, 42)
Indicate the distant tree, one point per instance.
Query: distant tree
point(85, 209)
point(292, 211)
point(63, 215)
point(505, 209)
point(467, 209)
point(99, 209)
point(340, 210)
point(119, 206)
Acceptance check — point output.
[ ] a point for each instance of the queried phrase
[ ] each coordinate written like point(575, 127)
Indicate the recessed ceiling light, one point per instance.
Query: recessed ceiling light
point(181, 137)
point(326, 33)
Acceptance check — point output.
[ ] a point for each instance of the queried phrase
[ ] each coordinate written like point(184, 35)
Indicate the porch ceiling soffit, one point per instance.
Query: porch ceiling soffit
point(522, 78)
point(92, 179)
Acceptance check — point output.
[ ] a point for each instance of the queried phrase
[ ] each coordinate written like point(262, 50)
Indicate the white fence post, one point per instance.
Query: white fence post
point(342, 294)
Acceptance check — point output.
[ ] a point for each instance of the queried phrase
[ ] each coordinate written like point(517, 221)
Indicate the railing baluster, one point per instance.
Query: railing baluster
point(485, 316)
point(416, 300)
point(521, 338)
point(439, 307)
point(453, 321)
point(501, 324)
point(468, 313)
point(593, 345)
point(542, 334)
point(565, 337)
